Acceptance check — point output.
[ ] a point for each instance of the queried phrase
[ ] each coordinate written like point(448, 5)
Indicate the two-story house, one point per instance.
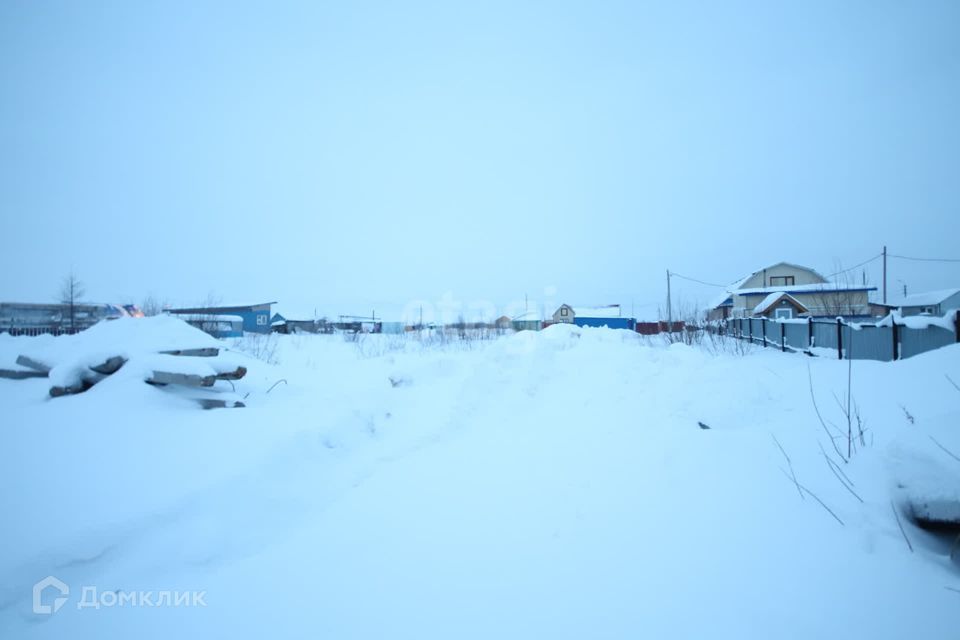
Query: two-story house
point(786, 290)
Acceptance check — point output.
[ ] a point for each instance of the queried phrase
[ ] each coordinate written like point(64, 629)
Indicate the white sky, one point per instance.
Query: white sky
point(347, 157)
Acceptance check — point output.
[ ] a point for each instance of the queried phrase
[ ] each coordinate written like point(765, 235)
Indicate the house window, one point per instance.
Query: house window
point(930, 310)
point(563, 311)
point(781, 281)
point(785, 313)
point(261, 320)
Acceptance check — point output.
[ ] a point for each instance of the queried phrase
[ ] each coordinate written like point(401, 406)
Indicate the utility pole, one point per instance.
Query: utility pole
point(884, 274)
point(669, 305)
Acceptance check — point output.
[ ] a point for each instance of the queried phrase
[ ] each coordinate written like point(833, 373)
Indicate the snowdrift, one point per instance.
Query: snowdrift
point(547, 484)
point(160, 351)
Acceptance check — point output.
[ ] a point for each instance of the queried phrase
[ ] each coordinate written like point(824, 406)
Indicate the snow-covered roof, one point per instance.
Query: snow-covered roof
point(923, 299)
point(719, 301)
point(803, 288)
point(609, 311)
point(528, 316)
point(773, 298)
point(220, 308)
point(289, 312)
point(206, 317)
point(735, 286)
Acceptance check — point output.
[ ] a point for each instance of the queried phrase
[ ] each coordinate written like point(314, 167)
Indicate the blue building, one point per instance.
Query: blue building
point(610, 323)
point(255, 317)
point(609, 316)
point(218, 326)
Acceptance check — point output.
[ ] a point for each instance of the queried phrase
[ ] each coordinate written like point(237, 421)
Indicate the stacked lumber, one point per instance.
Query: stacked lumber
point(198, 369)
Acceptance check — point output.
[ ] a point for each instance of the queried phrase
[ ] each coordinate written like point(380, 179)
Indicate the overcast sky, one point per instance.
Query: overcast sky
point(352, 156)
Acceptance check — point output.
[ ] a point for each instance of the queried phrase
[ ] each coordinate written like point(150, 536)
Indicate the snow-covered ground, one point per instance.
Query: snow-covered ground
point(541, 485)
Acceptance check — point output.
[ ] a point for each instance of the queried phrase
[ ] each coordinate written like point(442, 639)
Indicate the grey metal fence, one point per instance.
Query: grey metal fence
point(868, 342)
point(889, 339)
point(797, 335)
point(824, 335)
point(914, 341)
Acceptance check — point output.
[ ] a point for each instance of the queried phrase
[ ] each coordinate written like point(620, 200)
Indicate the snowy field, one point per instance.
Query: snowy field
point(540, 485)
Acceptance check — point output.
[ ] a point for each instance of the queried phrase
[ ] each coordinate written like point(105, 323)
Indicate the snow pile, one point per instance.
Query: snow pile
point(124, 336)
point(947, 321)
point(160, 350)
point(547, 484)
point(926, 462)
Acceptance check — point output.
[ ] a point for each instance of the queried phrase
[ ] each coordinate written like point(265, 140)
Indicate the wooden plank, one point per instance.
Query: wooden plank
point(185, 379)
point(935, 513)
point(236, 374)
point(80, 387)
point(199, 353)
point(16, 374)
point(109, 366)
point(216, 403)
point(30, 363)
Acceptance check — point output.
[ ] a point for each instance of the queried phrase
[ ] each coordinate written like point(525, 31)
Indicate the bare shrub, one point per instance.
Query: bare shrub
point(262, 346)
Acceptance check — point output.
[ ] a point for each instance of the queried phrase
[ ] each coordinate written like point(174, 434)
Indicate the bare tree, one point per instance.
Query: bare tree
point(836, 298)
point(208, 321)
point(72, 290)
point(153, 306)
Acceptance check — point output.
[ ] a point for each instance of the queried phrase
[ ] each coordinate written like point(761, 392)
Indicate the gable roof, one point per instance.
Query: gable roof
point(923, 299)
point(792, 265)
point(727, 300)
point(774, 299)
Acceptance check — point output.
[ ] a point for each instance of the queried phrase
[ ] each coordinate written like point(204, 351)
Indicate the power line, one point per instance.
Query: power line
point(924, 259)
point(709, 284)
point(857, 266)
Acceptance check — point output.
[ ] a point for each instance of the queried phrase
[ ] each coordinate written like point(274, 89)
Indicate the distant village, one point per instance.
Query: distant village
point(782, 291)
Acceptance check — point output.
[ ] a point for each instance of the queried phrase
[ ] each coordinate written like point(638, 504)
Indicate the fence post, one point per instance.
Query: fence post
point(750, 323)
point(783, 337)
point(809, 332)
point(896, 341)
point(956, 324)
point(763, 330)
point(839, 339)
